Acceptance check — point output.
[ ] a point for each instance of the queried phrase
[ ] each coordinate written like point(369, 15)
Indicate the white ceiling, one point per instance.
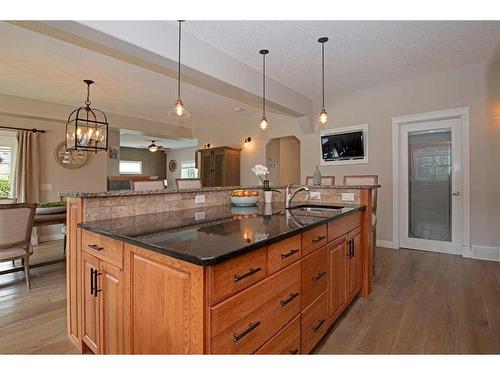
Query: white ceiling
point(359, 54)
point(130, 138)
point(36, 66)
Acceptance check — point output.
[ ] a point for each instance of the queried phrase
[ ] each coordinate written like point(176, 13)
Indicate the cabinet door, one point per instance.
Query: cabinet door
point(218, 168)
point(206, 168)
point(354, 261)
point(90, 321)
point(167, 304)
point(337, 275)
point(110, 281)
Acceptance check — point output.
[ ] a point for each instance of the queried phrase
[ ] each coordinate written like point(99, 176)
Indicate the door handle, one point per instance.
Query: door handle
point(96, 284)
point(455, 193)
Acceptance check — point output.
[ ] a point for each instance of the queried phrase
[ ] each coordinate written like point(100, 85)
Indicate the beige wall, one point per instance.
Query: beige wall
point(153, 163)
point(179, 154)
point(476, 86)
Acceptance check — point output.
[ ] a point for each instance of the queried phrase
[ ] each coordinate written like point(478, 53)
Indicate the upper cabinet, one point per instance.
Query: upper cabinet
point(220, 166)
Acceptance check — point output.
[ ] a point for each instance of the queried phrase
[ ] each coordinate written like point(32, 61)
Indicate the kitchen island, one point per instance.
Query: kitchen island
point(215, 279)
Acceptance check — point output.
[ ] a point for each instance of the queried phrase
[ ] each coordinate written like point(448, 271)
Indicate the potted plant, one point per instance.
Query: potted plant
point(261, 172)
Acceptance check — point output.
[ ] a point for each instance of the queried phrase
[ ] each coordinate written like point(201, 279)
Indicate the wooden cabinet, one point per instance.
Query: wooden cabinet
point(355, 262)
point(111, 309)
point(220, 166)
point(286, 341)
point(102, 305)
point(337, 276)
point(90, 313)
point(281, 298)
point(165, 300)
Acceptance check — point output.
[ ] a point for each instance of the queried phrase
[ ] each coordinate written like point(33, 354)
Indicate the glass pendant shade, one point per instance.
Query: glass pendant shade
point(323, 117)
point(263, 124)
point(87, 128)
point(179, 111)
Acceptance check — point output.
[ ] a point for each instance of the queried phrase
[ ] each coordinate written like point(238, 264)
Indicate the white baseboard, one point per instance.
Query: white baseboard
point(50, 237)
point(467, 252)
point(485, 252)
point(385, 243)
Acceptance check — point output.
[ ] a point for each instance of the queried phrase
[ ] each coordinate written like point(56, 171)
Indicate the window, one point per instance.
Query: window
point(188, 169)
point(8, 148)
point(130, 167)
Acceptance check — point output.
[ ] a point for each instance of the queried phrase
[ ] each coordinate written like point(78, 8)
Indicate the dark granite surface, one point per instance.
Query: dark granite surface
point(122, 193)
point(213, 234)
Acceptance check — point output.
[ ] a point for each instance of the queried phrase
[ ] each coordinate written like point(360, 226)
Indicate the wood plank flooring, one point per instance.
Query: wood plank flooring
point(421, 303)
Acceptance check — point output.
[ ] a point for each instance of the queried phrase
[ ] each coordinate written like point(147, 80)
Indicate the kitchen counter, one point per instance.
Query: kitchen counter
point(210, 235)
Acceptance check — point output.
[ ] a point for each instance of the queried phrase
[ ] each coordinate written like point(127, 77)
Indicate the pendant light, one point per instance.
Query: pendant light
point(178, 111)
point(153, 147)
point(263, 124)
point(323, 115)
point(87, 128)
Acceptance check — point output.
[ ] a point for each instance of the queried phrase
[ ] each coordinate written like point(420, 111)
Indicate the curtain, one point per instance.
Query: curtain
point(27, 172)
point(27, 168)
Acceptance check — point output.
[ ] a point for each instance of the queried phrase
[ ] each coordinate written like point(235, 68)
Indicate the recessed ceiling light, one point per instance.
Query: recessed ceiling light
point(239, 109)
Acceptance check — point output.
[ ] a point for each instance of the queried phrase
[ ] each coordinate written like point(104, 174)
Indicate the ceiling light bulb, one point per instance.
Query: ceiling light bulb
point(153, 147)
point(323, 117)
point(178, 110)
point(263, 123)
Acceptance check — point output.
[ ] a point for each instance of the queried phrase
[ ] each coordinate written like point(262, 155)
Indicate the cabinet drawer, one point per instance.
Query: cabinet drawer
point(286, 341)
point(314, 276)
point(343, 225)
point(283, 253)
point(237, 274)
point(314, 323)
point(247, 320)
point(104, 248)
point(314, 239)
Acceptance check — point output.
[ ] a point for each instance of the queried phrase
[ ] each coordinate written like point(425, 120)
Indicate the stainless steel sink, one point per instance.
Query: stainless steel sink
point(314, 208)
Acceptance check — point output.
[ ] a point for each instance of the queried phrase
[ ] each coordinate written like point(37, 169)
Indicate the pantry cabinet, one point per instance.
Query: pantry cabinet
point(220, 166)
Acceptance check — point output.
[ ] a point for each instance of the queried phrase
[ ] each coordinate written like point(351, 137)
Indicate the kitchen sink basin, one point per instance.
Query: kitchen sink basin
point(314, 208)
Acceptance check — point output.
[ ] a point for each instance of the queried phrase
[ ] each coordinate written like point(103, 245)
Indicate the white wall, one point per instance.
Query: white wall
point(179, 154)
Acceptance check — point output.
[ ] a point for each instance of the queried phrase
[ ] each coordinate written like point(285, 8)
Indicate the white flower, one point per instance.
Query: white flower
point(260, 170)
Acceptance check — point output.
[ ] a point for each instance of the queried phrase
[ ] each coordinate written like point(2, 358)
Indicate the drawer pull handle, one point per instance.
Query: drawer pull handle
point(319, 324)
point(290, 253)
point(317, 239)
point(289, 299)
point(249, 273)
point(95, 247)
point(238, 336)
point(96, 287)
point(319, 275)
point(293, 351)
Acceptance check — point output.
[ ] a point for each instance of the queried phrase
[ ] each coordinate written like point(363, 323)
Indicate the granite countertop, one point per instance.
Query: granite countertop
point(210, 235)
point(121, 193)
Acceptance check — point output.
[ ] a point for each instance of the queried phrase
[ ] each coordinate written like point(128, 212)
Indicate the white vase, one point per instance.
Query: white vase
point(268, 196)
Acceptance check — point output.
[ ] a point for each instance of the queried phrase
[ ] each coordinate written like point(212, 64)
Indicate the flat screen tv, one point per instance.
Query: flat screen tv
point(343, 146)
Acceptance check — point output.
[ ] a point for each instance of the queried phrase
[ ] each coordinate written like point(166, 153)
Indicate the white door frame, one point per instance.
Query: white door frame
point(456, 113)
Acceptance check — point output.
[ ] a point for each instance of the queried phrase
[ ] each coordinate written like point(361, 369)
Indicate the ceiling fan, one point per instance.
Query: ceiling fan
point(153, 147)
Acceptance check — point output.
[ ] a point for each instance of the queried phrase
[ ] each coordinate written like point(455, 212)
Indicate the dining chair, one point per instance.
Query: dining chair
point(325, 180)
point(362, 180)
point(16, 225)
point(147, 185)
point(188, 183)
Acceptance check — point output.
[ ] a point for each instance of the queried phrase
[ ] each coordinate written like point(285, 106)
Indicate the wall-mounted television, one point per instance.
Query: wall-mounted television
point(343, 146)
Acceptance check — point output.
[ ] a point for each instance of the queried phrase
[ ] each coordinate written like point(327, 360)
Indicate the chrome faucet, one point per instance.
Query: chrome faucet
point(289, 196)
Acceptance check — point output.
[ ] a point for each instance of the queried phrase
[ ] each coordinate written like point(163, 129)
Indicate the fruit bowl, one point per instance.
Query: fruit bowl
point(244, 201)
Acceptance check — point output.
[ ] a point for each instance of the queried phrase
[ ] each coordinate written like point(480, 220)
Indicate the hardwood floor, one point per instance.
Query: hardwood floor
point(35, 322)
point(421, 303)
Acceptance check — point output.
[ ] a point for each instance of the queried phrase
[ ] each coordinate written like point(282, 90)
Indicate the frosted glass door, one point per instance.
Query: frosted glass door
point(430, 175)
point(429, 185)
